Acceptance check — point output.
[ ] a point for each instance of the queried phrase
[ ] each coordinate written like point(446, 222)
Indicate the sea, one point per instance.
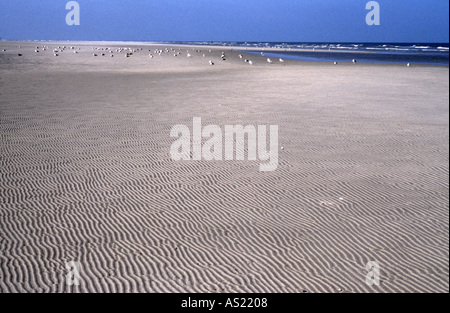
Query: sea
point(414, 53)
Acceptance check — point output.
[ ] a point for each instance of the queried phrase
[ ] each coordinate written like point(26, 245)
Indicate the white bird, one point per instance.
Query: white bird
point(354, 61)
point(240, 56)
point(189, 55)
point(250, 62)
point(211, 62)
point(281, 61)
point(408, 65)
point(335, 63)
point(269, 61)
point(55, 54)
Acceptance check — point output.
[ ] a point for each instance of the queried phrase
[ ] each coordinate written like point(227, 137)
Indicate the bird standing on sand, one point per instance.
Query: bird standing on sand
point(281, 61)
point(269, 61)
point(354, 61)
point(211, 62)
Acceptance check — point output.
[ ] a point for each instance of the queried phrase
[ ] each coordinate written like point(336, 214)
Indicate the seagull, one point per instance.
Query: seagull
point(240, 56)
point(281, 61)
point(269, 61)
point(335, 63)
point(189, 55)
point(250, 62)
point(211, 62)
point(354, 61)
point(408, 65)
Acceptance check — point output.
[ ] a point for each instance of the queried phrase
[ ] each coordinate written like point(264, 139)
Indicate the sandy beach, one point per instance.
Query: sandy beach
point(87, 176)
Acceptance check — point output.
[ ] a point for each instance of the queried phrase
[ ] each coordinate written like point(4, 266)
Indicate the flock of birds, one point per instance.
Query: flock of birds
point(130, 51)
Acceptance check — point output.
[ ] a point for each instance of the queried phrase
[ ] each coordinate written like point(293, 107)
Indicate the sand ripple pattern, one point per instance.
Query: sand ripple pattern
point(87, 177)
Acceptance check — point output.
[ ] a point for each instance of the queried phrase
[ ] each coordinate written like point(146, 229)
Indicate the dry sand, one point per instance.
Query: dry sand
point(86, 174)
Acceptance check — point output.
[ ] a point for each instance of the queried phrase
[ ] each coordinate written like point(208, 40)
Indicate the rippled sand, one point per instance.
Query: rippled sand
point(86, 174)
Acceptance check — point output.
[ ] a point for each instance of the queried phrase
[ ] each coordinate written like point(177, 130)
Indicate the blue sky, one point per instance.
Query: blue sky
point(227, 20)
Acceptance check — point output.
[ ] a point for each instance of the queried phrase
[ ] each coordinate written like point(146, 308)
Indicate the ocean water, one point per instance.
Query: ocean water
point(414, 53)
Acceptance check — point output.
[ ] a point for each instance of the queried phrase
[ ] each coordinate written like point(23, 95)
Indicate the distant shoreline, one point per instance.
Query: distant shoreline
point(367, 53)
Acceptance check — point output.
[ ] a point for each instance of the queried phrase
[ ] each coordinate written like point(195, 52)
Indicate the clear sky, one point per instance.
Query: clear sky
point(227, 20)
